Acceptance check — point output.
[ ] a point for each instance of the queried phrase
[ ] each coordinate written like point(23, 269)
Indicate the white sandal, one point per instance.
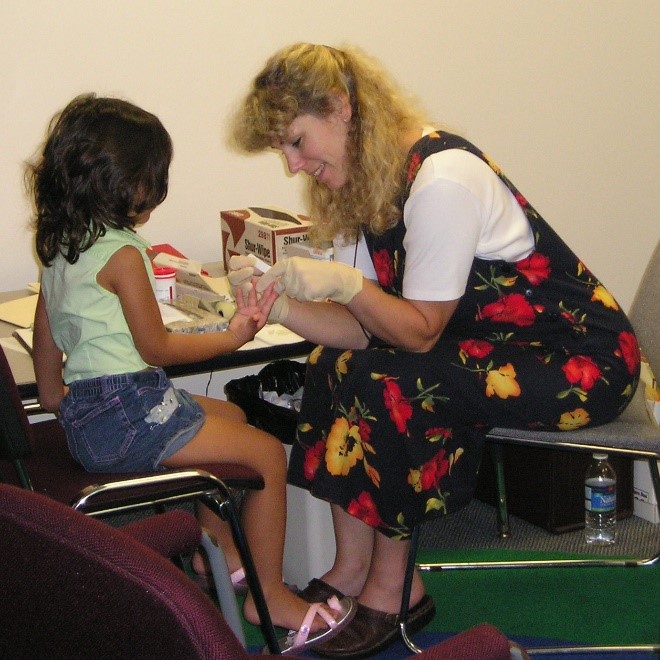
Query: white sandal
point(297, 640)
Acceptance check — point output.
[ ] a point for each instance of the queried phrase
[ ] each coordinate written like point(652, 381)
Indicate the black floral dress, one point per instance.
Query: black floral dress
point(395, 437)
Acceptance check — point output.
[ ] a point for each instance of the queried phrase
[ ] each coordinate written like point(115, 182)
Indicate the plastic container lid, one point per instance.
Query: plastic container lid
point(164, 272)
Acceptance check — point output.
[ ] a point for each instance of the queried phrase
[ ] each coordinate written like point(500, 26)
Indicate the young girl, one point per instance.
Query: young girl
point(102, 171)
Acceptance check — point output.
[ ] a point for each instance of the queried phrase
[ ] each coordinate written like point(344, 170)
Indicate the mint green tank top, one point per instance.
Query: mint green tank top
point(86, 320)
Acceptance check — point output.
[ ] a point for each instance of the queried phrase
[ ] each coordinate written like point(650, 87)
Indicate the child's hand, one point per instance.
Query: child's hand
point(251, 312)
point(245, 322)
point(256, 305)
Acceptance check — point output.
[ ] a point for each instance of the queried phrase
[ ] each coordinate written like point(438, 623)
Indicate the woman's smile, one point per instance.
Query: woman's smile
point(317, 146)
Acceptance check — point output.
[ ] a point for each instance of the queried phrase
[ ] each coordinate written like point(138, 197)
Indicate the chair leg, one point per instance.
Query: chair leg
point(23, 475)
point(407, 587)
point(654, 465)
point(591, 562)
point(497, 456)
point(223, 586)
point(227, 511)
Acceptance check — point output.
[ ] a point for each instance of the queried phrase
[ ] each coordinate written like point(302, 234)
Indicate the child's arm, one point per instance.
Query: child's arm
point(125, 276)
point(47, 359)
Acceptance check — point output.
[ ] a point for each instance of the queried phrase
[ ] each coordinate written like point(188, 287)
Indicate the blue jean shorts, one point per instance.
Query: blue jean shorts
point(128, 422)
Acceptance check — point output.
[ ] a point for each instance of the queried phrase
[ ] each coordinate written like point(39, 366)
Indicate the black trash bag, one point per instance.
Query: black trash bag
point(281, 376)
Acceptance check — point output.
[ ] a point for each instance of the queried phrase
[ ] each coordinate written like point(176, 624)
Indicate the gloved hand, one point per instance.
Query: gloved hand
point(280, 310)
point(240, 272)
point(312, 279)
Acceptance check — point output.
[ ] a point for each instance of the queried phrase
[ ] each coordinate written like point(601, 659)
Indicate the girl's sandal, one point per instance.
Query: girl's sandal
point(298, 640)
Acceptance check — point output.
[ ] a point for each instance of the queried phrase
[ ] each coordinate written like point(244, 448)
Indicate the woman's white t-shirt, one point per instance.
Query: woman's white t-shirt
point(458, 209)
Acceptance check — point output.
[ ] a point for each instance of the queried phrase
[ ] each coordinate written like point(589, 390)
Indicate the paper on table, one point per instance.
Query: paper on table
point(11, 343)
point(272, 334)
point(171, 314)
point(24, 336)
point(19, 312)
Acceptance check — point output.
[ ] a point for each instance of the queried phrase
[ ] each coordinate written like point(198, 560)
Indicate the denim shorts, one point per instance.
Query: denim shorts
point(128, 422)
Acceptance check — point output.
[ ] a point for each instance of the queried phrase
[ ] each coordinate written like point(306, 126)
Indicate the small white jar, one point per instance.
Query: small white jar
point(165, 286)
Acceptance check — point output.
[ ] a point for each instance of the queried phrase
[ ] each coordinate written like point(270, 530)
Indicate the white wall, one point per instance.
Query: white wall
point(563, 95)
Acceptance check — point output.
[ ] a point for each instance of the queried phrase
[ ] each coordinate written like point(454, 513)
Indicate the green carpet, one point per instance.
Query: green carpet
point(605, 605)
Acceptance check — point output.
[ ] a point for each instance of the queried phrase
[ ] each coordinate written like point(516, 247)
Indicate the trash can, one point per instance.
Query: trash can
point(281, 376)
point(309, 550)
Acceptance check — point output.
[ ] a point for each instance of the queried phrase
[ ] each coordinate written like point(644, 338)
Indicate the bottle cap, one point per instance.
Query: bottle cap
point(600, 457)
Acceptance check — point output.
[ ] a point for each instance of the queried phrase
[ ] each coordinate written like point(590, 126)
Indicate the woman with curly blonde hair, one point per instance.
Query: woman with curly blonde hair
point(314, 76)
point(451, 306)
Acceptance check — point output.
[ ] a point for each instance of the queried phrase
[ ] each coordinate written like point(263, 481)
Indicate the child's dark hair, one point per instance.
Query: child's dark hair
point(103, 159)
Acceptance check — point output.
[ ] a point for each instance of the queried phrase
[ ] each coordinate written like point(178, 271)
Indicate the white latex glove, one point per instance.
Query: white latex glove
point(240, 272)
point(313, 279)
point(280, 310)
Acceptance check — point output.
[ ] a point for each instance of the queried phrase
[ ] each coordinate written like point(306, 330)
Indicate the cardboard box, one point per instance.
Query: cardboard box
point(191, 276)
point(545, 487)
point(646, 505)
point(311, 252)
point(264, 231)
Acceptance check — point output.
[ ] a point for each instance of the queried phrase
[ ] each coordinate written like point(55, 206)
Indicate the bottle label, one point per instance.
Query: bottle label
point(600, 499)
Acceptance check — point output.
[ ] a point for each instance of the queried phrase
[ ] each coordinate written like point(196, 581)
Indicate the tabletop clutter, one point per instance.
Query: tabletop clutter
point(194, 300)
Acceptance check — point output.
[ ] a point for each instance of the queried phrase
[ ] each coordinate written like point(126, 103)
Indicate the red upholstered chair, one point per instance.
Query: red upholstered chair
point(74, 587)
point(36, 457)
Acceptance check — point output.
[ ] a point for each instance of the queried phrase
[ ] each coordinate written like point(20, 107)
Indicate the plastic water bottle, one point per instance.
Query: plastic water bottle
point(600, 502)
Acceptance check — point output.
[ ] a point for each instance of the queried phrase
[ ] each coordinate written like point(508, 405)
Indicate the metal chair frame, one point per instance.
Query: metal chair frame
point(184, 485)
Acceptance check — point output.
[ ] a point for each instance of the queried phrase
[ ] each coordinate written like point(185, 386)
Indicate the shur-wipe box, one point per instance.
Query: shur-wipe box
point(265, 231)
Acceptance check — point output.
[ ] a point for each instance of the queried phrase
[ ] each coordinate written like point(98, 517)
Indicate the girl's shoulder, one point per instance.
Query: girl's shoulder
point(114, 239)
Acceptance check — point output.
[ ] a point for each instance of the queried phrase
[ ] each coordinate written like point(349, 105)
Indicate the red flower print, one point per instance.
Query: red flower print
point(476, 348)
point(583, 370)
point(513, 308)
point(438, 432)
point(399, 407)
point(629, 351)
point(365, 430)
point(364, 509)
point(384, 267)
point(536, 268)
point(415, 162)
point(432, 471)
point(521, 200)
point(313, 457)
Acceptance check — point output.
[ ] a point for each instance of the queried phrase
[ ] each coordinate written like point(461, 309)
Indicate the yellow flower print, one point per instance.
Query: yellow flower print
point(373, 474)
point(602, 295)
point(341, 367)
point(453, 458)
point(502, 382)
point(570, 421)
point(493, 165)
point(415, 480)
point(435, 504)
point(315, 355)
point(343, 448)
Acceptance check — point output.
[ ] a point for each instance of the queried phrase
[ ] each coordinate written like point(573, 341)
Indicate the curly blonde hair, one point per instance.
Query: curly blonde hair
point(306, 79)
